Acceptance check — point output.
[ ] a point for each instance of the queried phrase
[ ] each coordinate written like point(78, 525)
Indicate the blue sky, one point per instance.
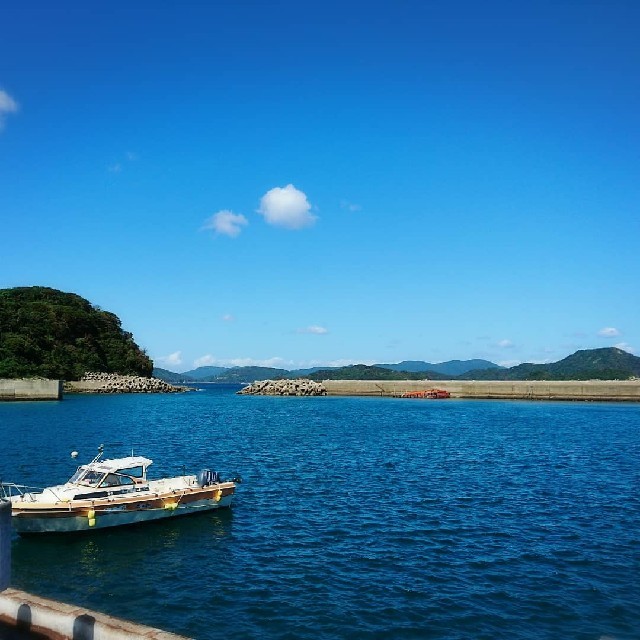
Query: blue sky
point(302, 183)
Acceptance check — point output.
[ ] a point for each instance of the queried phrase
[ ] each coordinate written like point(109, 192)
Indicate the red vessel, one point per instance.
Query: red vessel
point(428, 393)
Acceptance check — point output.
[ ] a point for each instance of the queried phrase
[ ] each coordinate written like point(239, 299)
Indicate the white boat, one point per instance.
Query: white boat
point(111, 493)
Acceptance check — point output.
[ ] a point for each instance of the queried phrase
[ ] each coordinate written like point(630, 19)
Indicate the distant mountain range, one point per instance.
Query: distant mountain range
point(449, 368)
point(249, 374)
point(589, 364)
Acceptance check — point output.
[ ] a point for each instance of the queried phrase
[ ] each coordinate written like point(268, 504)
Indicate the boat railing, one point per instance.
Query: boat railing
point(10, 489)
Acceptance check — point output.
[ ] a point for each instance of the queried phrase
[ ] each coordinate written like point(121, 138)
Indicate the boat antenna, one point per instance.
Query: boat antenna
point(100, 452)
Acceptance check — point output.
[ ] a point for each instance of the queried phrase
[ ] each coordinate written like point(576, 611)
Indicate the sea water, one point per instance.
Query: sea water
point(357, 517)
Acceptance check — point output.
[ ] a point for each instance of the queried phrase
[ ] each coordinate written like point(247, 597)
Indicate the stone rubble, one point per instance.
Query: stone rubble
point(116, 383)
point(299, 387)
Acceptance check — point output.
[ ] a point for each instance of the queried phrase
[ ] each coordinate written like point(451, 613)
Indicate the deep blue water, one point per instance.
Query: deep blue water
point(357, 518)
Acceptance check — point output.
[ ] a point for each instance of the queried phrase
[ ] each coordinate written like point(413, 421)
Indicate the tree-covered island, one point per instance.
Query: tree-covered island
point(49, 333)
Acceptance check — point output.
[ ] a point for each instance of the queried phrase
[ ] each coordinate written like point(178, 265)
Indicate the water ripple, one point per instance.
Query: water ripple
point(358, 518)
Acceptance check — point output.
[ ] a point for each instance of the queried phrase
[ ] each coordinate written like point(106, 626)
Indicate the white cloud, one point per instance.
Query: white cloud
point(286, 207)
point(131, 156)
point(314, 329)
point(608, 332)
point(508, 363)
point(7, 105)
point(115, 168)
point(227, 317)
point(350, 206)
point(172, 359)
point(226, 223)
point(204, 361)
point(506, 344)
point(343, 362)
point(625, 347)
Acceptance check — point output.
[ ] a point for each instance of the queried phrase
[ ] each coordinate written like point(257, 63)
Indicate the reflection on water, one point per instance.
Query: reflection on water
point(98, 558)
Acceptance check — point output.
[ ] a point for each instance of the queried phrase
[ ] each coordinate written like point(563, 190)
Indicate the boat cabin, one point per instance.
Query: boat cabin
point(119, 472)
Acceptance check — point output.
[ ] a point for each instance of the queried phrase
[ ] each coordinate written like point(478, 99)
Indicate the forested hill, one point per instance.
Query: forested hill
point(588, 364)
point(365, 372)
point(53, 334)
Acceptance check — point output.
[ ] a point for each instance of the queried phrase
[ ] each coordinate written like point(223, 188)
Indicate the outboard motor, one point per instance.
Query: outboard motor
point(207, 477)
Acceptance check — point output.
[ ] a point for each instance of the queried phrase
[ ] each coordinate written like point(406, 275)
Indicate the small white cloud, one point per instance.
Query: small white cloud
point(608, 332)
point(286, 207)
point(131, 156)
point(204, 361)
point(226, 223)
point(625, 347)
point(115, 168)
point(314, 329)
point(227, 317)
point(350, 206)
point(172, 359)
point(505, 344)
point(7, 105)
point(508, 363)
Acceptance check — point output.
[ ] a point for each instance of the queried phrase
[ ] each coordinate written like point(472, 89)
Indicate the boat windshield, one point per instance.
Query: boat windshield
point(87, 477)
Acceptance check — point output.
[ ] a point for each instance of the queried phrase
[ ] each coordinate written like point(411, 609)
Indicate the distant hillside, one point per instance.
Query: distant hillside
point(303, 373)
point(248, 374)
point(53, 334)
point(204, 373)
point(588, 364)
point(364, 372)
point(170, 376)
point(450, 368)
point(594, 364)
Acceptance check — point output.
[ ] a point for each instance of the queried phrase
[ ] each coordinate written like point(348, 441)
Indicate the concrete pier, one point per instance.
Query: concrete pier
point(5, 544)
point(31, 389)
point(35, 617)
point(592, 390)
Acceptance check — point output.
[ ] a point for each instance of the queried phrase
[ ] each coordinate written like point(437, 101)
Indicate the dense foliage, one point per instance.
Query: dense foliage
point(49, 333)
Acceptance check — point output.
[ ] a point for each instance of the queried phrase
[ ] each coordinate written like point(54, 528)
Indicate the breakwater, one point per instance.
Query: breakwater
point(115, 383)
point(299, 387)
point(30, 389)
point(593, 390)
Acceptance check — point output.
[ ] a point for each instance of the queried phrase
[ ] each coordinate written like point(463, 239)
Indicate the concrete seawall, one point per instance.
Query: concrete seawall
point(593, 390)
point(31, 389)
point(35, 617)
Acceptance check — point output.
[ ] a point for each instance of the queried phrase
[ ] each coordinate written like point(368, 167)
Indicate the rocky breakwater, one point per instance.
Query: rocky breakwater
point(115, 383)
point(301, 387)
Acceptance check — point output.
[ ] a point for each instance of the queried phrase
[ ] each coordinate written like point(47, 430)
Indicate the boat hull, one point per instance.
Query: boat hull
point(71, 517)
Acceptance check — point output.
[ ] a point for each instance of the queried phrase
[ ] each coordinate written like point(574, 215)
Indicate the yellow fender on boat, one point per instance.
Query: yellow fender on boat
point(171, 506)
point(217, 496)
point(91, 517)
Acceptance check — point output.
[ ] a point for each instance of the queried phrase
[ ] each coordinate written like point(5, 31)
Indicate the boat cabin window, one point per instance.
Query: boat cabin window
point(89, 478)
point(77, 475)
point(134, 472)
point(116, 480)
point(92, 478)
point(110, 480)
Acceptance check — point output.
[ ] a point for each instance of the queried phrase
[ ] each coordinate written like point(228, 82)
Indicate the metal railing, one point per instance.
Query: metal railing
point(9, 490)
